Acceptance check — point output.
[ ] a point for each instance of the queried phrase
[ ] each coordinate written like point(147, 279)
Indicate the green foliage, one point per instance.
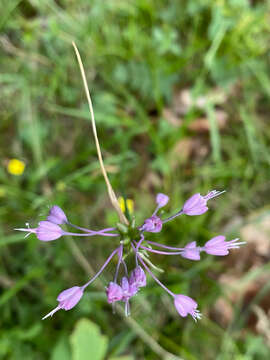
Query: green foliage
point(140, 56)
point(86, 341)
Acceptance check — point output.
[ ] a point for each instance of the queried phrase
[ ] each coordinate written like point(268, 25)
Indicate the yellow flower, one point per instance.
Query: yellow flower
point(15, 167)
point(129, 203)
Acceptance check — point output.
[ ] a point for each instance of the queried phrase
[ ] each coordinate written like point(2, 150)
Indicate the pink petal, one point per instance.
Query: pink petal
point(72, 301)
point(215, 240)
point(193, 200)
point(196, 211)
point(162, 199)
point(191, 245)
point(217, 251)
point(65, 294)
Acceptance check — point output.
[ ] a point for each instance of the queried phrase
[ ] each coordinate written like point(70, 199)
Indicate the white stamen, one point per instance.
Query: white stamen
point(196, 315)
point(52, 312)
point(212, 194)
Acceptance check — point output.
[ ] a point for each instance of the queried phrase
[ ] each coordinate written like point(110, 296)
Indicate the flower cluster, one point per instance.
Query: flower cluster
point(132, 239)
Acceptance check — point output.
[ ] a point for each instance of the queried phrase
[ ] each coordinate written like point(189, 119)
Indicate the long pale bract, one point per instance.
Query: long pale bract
point(111, 193)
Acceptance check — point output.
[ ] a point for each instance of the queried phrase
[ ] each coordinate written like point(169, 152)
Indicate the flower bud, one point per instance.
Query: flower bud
point(191, 251)
point(70, 297)
point(220, 247)
point(185, 305)
point(67, 299)
point(47, 231)
point(196, 205)
point(162, 200)
point(138, 277)
point(57, 215)
point(128, 289)
point(152, 224)
point(114, 292)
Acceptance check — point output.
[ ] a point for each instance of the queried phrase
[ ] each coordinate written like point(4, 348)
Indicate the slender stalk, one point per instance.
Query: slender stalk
point(111, 193)
point(125, 267)
point(153, 276)
point(163, 246)
point(89, 234)
point(160, 252)
point(173, 216)
point(89, 230)
point(139, 242)
point(120, 256)
point(156, 210)
point(137, 248)
point(101, 269)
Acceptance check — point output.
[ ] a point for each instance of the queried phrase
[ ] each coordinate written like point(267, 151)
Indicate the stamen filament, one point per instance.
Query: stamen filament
point(52, 312)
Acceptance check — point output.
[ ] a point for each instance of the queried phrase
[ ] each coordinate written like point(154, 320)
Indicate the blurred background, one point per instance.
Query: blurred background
point(181, 97)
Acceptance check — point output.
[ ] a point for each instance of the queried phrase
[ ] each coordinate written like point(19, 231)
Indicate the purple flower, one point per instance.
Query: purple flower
point(133, 239)
point(191, 251)
point(114, 292)
point(196, 205)
point(152, 224)
point(133, 289)
point(218, 246)
point(67, 299)
point(128, 289)
point(57, 216)
point(161, 200)
point(138, 277)
point(185, 305)
point(46, 231)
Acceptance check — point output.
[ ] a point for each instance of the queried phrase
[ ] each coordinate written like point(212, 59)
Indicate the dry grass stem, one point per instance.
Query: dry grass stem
point(111, 193)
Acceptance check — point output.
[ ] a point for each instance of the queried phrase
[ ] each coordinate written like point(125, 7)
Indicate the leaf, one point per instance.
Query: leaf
point(124, 357)
point(87, 341)
point(61, 350)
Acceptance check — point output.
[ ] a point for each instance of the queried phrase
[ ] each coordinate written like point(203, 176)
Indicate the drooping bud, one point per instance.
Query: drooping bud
point(161, 200)
point(185, 305)
point(114, 292)
point(128, 289)
point(57, 215)
point(152, 224)
point(138, 277)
